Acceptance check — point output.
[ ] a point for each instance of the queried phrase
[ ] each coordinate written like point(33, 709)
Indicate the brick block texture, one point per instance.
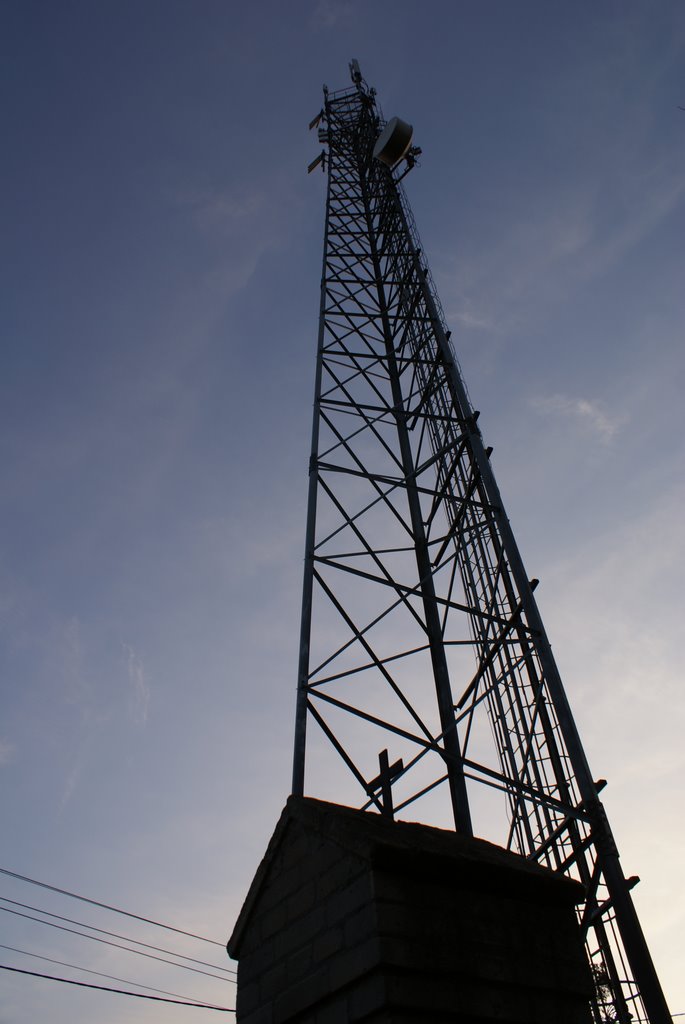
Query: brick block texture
point(343, 924)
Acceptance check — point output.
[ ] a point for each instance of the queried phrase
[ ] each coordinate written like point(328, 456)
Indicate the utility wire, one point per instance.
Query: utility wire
point(87, 970)
point(106, 942)
point(106, 906)
point(119, 991)
point(140, 995)
point(115, 935)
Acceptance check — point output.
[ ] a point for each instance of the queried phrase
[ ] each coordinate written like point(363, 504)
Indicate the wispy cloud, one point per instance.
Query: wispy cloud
point(588, 414)
point(245, 222)
point(613, 188)
point(71, 783)
point(140, 690)
point(471, 321)
point(614, 614)
point(557, 243)
point(78, 688)
point(649, 198)
point(328, 14)
point(6, 752)
point(216, 209)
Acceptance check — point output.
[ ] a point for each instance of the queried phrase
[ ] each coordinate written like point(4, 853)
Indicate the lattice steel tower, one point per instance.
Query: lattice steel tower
point(423, 658)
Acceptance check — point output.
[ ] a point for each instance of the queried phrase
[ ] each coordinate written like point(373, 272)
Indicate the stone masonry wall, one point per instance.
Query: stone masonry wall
point(455, 952)
point(313, 934)
point(343, 927)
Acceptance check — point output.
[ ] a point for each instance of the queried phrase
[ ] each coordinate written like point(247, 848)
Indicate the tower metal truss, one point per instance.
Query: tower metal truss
point(424, 661)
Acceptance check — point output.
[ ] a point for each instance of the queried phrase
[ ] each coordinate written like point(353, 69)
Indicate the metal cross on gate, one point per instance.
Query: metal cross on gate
point(383, 782)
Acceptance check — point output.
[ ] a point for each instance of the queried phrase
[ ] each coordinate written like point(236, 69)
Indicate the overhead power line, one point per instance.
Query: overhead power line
point(117, 945)
point(140, 995)
point(107, 906)
point(118, 991)
point(115, 935)
point(87, 970)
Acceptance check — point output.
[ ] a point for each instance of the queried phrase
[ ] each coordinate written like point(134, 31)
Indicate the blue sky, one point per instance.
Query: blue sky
point(161, 252)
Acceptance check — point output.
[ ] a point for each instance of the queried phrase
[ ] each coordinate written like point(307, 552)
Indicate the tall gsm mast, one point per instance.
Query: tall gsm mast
point(427, 686)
